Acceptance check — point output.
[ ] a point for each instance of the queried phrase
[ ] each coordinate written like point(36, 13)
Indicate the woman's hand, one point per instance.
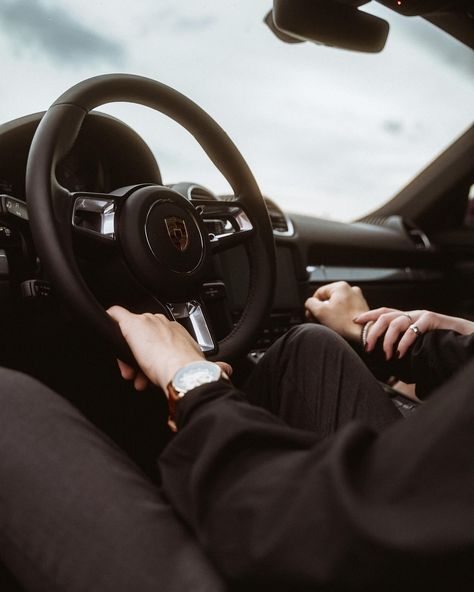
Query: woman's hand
point(407, 326)
point(335, 305)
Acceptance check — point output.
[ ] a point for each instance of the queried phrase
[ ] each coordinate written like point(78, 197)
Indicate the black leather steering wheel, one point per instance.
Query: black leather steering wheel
point(161, 236)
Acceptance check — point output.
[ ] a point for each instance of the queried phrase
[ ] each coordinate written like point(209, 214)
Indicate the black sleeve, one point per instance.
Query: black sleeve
point(273, 505)
point(432, 359)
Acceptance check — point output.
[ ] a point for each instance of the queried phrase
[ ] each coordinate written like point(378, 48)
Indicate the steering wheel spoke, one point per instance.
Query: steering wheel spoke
point(94, 215)
point(191, 314)
point(227, 223)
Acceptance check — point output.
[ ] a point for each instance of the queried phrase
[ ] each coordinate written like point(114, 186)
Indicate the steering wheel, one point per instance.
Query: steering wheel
point(160, 235)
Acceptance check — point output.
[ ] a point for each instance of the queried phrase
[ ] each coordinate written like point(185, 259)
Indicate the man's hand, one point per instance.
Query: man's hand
point(161, 347)
point(335, 305)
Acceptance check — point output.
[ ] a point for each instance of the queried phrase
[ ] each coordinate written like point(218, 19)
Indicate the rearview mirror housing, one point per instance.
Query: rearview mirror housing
point(338, 23)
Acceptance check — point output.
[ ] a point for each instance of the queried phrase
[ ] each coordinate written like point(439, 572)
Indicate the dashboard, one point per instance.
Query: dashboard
point(310, 251)
point(106, 155)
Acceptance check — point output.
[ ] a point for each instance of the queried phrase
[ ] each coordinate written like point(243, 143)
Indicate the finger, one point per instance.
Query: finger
point(415, 314)
point(313, 306)
point(410, 337)
point(325, 292)
point(227, 368)
point(378, 328)
point(126, 371)
point(141, 382)
point(396, 328)
point(373, 315)
point(118, 313)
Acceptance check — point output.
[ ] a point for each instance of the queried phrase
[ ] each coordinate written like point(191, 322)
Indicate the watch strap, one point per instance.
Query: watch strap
point(174, 396)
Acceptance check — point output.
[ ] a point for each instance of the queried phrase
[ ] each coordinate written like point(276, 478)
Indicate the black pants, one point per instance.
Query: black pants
point(76, 514)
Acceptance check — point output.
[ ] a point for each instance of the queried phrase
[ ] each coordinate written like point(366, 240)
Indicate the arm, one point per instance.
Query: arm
point(394, 326)
point(277, 508)
point(273, 505)
point(443, 346)
point(428, 361)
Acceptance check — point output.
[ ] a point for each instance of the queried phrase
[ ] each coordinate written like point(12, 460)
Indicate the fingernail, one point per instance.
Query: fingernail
point(355, 319)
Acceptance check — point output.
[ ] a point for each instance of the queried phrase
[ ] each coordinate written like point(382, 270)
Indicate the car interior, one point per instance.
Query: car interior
point(86, 222)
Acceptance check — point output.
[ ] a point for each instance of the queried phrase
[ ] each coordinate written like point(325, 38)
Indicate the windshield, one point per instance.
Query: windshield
point(326, 132)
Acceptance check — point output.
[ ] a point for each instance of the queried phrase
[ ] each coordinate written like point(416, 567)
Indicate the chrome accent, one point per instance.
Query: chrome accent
point(333, 273)
point(191, 188)
point(289, 223)
point(192, 312)
point(234, 217)
point(274, 210)
point(187, 190)
point(242, 220)
point(104, 221)
point(417, 233)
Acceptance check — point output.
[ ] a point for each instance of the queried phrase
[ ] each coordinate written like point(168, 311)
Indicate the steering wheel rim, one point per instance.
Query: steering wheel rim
point(50, 208)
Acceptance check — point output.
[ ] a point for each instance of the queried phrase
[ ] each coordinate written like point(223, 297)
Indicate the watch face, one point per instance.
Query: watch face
point(194, 374)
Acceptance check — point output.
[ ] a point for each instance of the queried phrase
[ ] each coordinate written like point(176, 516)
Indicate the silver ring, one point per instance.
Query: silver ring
point(408, 316)
point(415, 330)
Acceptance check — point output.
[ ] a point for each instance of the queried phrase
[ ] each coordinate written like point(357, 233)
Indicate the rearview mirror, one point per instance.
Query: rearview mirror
point(338, 23)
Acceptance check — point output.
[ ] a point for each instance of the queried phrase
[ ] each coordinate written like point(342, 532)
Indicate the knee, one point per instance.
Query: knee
point(312, 334)
point(21, 396)
point(309, 342)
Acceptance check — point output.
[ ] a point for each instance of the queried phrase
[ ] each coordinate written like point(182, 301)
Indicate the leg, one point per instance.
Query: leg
point(75, 513)
point(313, 380)
point(279, 508)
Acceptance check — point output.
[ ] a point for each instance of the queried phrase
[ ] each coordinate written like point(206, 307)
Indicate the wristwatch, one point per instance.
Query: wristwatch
point(187, 378)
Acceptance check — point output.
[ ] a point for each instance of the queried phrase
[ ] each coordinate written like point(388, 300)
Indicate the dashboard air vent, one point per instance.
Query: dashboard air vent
point(375, 220)
point(419, 238)
point(281, 224)
point(402, 225)
point(198, 193)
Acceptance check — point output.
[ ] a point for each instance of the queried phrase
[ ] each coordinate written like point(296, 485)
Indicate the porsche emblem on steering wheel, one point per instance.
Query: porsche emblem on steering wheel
point(177, 232)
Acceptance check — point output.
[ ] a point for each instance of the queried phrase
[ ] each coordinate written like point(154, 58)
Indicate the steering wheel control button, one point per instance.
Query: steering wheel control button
point(32, 289)
point(174, 236)
point(213, 291)
point(6, 233)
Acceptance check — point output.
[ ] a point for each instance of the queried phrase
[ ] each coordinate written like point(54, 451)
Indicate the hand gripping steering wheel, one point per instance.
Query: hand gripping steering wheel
point(159, 234)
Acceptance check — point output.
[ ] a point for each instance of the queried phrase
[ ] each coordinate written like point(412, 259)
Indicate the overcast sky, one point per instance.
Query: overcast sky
point(325, 131)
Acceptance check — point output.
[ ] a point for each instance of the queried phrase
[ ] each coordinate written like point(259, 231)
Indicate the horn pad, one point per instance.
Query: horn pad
point(163, 239)
point(174, 236)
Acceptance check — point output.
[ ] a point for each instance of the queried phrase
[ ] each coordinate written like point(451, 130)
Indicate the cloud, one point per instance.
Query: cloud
point(392, 126)
point(427, 36)
point(195, 23)
point(32, 23)
point(445, 47)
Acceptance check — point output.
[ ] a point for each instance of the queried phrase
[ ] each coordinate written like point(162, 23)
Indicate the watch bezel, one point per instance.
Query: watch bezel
point(182, 388)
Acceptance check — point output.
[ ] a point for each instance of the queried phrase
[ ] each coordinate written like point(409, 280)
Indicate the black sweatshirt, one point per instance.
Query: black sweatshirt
point(278, 509)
